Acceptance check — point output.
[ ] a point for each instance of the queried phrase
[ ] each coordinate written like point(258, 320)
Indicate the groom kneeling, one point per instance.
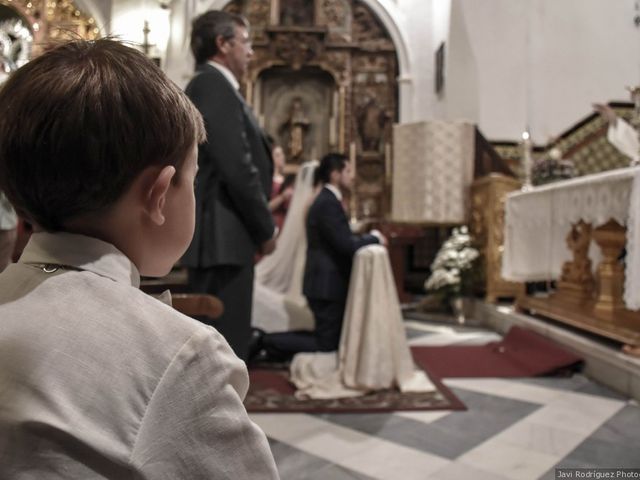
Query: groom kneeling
point(330, 250)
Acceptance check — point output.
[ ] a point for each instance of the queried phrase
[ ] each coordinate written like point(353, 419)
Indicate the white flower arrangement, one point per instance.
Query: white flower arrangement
point(455, 257)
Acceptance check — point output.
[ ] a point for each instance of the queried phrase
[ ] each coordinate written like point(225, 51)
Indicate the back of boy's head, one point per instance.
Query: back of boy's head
point(79, 123)
point(331, 162)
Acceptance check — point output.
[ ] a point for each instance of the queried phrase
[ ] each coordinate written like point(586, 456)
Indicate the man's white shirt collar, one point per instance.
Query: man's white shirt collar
point(335, 190)
point(227, 73)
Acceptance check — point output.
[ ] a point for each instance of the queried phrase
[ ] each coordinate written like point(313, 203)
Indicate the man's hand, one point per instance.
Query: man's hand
point(268, 247)
point(606, 112)
point(381, 238)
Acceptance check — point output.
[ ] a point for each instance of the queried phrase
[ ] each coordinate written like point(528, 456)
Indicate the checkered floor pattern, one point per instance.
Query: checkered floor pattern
point(513, 429)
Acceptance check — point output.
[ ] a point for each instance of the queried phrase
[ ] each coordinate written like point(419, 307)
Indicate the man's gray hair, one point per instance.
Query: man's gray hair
point(206, 28)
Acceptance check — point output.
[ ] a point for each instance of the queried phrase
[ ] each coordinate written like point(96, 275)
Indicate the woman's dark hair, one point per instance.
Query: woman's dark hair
point(80, 122)
point(206, 28)
point(329, 163)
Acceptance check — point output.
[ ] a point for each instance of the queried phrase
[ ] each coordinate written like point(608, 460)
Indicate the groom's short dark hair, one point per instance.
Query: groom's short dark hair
point(331, 162)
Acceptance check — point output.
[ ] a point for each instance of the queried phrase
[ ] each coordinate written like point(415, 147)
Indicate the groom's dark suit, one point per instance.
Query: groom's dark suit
point(330, 250)
point(232, 214)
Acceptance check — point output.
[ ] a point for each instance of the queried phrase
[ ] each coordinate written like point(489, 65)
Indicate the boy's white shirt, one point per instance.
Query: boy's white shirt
point(92, 364)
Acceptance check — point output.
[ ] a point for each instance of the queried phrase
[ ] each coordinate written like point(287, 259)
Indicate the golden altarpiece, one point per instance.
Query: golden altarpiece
point(324, 78)
point(28, 26)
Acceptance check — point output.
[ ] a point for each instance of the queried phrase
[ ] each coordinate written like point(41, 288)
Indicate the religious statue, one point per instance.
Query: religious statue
point(372, 121)
point(296, 13)
point(576, 274)
point(296, 126)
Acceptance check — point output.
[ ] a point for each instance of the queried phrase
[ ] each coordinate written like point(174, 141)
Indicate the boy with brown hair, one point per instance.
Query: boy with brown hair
point(98, 380)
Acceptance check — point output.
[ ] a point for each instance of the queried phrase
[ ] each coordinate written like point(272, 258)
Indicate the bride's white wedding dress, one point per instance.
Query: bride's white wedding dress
point(278, 303)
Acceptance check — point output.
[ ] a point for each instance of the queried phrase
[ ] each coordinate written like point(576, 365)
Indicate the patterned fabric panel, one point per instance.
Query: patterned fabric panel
point(433, 168)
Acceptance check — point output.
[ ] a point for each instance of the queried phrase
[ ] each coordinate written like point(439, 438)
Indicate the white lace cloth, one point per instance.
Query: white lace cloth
point(537, 222)
point(373, 352)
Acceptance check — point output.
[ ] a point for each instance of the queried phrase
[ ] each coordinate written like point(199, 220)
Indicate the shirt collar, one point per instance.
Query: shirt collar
point(227, 73)
point(335, 190)
point(84, 253)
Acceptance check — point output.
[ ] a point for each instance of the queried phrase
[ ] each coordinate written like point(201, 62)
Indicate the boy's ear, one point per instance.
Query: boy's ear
point(157, 194)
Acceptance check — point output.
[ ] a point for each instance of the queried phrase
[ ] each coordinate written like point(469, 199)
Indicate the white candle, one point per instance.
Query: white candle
point(352, 157)
point(526, 160)
point(387, 162)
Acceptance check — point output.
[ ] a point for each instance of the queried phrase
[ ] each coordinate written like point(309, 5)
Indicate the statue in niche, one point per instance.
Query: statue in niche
point(296, 127)
point(371, 121)
point(294, 13)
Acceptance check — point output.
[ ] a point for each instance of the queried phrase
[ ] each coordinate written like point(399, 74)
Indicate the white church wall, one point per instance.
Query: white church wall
point(128, 22)
point(539, 62)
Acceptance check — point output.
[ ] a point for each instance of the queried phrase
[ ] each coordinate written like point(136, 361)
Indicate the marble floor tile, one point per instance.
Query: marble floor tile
point(576, 412)
point(424, 417)
point(449, 436)
point(622, 428)
point(284, 427)
point(615, 444)
point(573, 382)
point(333, 472)
point(606, 454)
point(458, 471)
point(577, 383)
point(509, 388)
point(353, 450)
point(594, 388)
point(415, 333)
point(294, 464)
point(507, 460)
point(385, 463)
point(541, 438)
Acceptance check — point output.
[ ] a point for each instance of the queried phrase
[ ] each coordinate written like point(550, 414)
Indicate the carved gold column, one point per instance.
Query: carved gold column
point(488, 195)
point(610, 237)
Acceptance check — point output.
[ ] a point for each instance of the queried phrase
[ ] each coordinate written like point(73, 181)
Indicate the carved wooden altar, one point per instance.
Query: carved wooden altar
point(549, 234)
point(323, 78)
point(487, 229)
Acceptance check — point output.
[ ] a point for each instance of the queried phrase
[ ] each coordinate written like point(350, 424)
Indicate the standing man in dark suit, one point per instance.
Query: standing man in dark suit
point(233, 221)
point(330, 249)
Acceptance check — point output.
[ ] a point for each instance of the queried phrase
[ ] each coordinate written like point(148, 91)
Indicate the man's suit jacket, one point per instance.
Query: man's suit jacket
point(330, 249)
point(234, 179)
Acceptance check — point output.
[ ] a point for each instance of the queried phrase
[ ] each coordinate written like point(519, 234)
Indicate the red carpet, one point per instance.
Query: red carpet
point(270, 391)
point(521, 353)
